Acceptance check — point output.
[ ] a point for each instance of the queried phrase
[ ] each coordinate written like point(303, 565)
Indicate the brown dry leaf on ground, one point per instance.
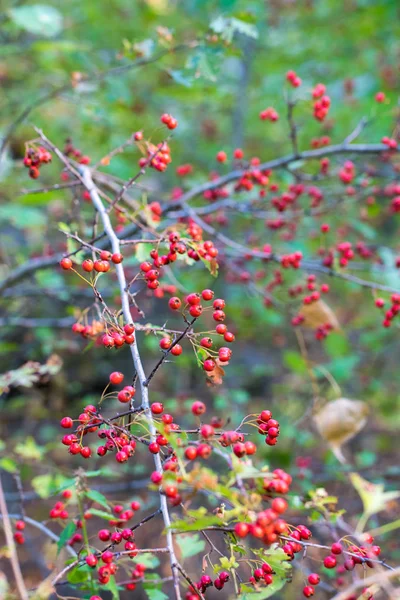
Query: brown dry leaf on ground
point(318, 314)
point(339, 421)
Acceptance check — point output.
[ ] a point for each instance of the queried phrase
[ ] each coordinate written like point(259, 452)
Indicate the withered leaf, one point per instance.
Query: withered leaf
point(339, 421)
point(318, 314)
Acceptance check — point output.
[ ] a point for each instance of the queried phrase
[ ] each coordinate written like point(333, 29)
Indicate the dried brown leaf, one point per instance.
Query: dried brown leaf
point(339, 421)
point(318, 314)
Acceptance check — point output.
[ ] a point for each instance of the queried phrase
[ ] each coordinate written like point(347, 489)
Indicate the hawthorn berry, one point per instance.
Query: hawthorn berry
point(66, 263)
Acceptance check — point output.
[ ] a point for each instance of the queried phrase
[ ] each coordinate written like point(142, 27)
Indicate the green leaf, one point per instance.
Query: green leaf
point(49, 484)
point(29, 449)
point(151, 561)
point(295, 362)
point(97, 497)
point(373, 496)
point(190, 545)
point(102, 514)
point(226, 27)
point(65, 535)
point(39, 19)
point(112, 587)
point(8, 465)
point(154, 593)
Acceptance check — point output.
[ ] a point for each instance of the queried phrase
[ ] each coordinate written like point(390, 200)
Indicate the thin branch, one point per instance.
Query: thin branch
point(108, 228)
point(166, 352)
point(19, 580)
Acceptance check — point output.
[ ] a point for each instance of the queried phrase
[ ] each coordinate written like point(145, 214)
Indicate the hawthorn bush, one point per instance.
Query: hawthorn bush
point(218, 513)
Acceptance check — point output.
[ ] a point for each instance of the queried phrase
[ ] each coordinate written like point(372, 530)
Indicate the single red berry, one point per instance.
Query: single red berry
point(165, 343)
point(20, 525)
point(157, 408)
point(195, 311)
point(116, 378)
point(330, 562)
point(198, 408)
point(221, 329)
point(176, 350)
point(191, 452)
point(154, 448)
point(279, 505)
point(174, 303)
point(206, 342)
point(221, 156)
point(209, 365)
point(117, 258)
point(336, 548)
point(88, 265)
point(238, 153)
point(219, 304)
point(66, 263)
point(241, 529)
point(91, 560)
point(207, 295)
point(308, 591)
point(66, 422)
point(193, 299)
point(229, 337)
point(314, 578)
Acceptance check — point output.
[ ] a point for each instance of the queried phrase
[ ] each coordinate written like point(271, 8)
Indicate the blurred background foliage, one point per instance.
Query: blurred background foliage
point(228, 63)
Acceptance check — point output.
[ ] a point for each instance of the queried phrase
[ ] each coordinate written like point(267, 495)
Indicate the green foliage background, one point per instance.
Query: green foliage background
point(216, 91)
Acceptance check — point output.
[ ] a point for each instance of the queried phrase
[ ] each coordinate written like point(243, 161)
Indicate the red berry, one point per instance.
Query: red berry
point(129, 328)
point(157, 408)
point(241, 529)
point(165, 343)
point(87, 265)
point(66, 422)
point(198, 408)
point(117, 258)
point(174, 303)
point(66, 263)
point(209, 365)
point(314, 578)
point(91, 560)
point(116, 377)
point(221, 156)
point(154, 448)
point(330, 562)
point(176, 350)
point(336, 548)
point(207, 295)
point(193, 299)
point(308, 591)
point(191, 452)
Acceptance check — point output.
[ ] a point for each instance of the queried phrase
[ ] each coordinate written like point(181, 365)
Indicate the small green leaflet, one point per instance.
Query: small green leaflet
point(112, 587)
point(226, 27)
point(97, 497)
point(155, 594)
point(65, 535)
point(102, 514)
point(190, 545)
point(39, 19)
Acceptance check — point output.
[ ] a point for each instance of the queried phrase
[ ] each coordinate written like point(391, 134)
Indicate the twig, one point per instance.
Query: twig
point(19, 580)
point(166, 352)
point(378, 578)
point(108, 228)
point(50, 534)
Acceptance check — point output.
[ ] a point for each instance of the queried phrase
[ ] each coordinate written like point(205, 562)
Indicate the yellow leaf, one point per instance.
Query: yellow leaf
point(339, 421)
point(318, 314)
point(373, 495)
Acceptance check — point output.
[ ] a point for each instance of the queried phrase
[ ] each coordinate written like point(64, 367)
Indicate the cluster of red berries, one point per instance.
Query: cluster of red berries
point(262, 575)
point(324, 140)
point(392, 312)
point(158, 157)
point(70, 150)
point(254, 177)
point(269, 114)
point(34, 158)
point(268, 524)
point(100, 266)
point(292, 260)
point(206, 582)
point(389, 142)
point(169, 121)
point(322, 102)
point(118, 337)
point(293, 79)
point(239, 446)
point(183, 170)
point(19, 537)
point(347, 173)
point(269, 427)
